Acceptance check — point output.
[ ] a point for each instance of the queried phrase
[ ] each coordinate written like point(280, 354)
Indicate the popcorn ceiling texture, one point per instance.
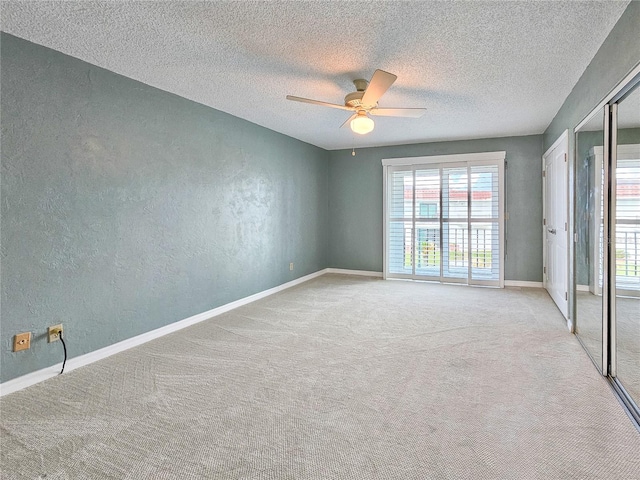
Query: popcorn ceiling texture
point(482, 69)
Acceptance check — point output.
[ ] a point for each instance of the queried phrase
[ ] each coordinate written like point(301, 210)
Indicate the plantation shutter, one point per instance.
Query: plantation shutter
point(444, 221)
point(485, 223)
point(401, 223)
point(455, 224)
point(627, 228)
point(427, 214)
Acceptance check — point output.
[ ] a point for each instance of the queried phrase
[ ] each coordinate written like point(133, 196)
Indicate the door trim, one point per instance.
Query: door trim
point(562, 140)
point(613, 358)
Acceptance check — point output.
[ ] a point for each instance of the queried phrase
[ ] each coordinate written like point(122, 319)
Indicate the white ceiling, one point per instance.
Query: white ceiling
point(482, 69)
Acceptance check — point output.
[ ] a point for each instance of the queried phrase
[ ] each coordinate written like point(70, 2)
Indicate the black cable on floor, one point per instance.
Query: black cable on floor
point(65, 352)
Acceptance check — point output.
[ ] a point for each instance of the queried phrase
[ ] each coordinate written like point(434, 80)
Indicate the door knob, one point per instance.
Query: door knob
point(551, 230)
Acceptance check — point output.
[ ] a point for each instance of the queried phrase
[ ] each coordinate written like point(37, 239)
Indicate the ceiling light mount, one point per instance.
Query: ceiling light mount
point(361, 84)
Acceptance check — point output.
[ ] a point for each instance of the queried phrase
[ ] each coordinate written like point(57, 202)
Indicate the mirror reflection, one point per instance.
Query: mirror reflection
point(627, 244)
point(589, 230)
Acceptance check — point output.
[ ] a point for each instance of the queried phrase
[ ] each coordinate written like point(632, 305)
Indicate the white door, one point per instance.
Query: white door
point(556, 258)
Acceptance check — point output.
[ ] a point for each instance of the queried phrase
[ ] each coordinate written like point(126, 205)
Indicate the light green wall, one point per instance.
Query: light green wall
point(126, 208)
point(355, 202)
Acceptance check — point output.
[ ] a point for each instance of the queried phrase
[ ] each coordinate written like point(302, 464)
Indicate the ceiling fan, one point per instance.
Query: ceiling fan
point(364, 102)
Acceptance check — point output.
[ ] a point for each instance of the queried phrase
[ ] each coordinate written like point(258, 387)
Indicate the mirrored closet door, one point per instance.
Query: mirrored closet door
point(607, 240)
point(625, 227)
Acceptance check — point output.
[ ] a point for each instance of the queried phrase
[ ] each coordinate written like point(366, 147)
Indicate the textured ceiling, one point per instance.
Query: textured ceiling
point(482, 69)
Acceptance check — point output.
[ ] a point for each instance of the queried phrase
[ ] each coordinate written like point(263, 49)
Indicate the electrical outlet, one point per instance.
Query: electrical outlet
point(22, 341)
point(291, 266)
point(54, 333)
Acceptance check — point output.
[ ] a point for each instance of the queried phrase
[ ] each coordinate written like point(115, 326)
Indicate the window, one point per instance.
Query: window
point(429, 210)
point(628, 219)
point(443, 218)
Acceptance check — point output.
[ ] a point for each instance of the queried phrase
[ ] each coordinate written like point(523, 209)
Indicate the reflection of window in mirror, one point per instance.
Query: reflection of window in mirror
point(627, 211)
point(627, 244)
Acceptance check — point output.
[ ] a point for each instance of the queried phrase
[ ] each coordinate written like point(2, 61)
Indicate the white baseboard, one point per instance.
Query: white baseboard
point(520, 283)
point(507, 283)
point(582, 288)
point(38, 376)
point(49, 372)
point(364, 273)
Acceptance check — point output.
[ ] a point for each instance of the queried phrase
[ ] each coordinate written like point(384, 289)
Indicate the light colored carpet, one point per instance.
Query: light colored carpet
point(589, 323)
point(339, 378)
point(589, 328)
point(628, 339)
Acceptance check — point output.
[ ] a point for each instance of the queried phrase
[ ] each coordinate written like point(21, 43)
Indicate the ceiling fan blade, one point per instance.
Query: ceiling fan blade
point(349, 120)
point(398, 112)
point(380, 83)
point(318, 102)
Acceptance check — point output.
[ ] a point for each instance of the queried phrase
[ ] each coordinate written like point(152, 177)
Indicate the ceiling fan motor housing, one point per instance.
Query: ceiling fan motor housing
point(354, 99)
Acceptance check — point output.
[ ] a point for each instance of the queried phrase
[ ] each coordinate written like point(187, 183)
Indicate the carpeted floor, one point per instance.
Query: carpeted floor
point(338, 378)
point(589, 328)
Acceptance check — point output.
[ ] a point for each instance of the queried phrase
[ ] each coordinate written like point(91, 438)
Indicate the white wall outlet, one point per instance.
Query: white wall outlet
point(291, 266)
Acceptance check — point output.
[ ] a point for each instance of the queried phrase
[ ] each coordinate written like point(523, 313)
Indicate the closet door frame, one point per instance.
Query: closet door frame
point(609, 106)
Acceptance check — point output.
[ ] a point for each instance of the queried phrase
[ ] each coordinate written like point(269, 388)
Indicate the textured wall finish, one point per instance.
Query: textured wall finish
point(355, 202)
point(126, 208)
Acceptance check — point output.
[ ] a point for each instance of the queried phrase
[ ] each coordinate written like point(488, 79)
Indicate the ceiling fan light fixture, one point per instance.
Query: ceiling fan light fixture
point(364, 101)
point(362, 124)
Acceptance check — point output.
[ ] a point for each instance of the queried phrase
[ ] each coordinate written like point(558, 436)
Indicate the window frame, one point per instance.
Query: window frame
point(465, 160)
